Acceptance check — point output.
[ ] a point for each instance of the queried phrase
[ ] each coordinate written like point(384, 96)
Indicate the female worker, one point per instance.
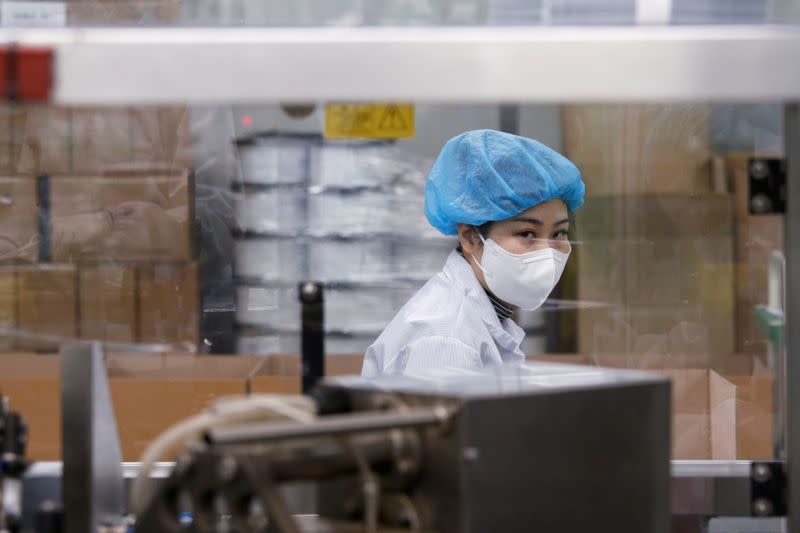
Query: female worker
point(508, 200)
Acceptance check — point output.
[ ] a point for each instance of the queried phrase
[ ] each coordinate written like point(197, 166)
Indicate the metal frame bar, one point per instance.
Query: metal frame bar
point(93, 490)
point(792, 334)
point(241, 65)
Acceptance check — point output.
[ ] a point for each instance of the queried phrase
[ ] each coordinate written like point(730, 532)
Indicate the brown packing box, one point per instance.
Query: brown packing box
point(47, 306)
point(656, 274)
point(8, 307)
point(41, 140)
point(150, 393)
point(101, 139)
point(18, 219)
point(720, 415)
point(124, 216)
point(640, 148)
point(59, 140)
point(107, 302)
point(757, 236)
point(162, 135)
point(168, 303)
point(7, 165)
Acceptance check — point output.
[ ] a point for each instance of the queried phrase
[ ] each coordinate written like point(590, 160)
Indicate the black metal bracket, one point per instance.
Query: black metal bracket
point(13, 443)
point(766, 179)
point(768, 488)
point(312, 337)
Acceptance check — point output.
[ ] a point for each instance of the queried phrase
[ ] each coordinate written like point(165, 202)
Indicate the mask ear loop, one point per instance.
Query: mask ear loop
point(479, 265)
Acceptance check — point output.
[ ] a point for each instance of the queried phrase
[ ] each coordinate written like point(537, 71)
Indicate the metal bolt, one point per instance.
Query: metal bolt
point(762, 507)
point(227, 469)
point(759, 169)
point(471, 454)
point(761, 203)
point(310, 291)
point(762, 473)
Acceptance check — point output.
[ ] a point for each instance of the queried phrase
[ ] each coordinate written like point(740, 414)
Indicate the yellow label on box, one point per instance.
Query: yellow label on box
point(369, 121)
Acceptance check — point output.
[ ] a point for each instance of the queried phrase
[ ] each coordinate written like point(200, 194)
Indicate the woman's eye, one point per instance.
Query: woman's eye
point(528, 235)
point(562, 234)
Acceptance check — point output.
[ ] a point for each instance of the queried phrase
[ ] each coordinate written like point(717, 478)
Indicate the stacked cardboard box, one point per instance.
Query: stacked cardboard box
point(654, 258)
point(96, 219)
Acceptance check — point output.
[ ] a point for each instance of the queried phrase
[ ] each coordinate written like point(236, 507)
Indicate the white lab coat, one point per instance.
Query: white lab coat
point(449, 324)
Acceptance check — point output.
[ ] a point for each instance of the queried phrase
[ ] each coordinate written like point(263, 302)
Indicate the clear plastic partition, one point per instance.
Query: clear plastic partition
point(186, 230)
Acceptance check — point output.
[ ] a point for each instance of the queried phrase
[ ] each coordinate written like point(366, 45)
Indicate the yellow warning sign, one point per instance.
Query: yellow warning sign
point(369, 121)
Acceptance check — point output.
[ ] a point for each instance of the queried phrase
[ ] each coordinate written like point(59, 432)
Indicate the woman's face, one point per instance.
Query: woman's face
point(542, 226)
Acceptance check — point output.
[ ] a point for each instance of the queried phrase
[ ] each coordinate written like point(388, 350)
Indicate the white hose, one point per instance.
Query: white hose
point(225, 411)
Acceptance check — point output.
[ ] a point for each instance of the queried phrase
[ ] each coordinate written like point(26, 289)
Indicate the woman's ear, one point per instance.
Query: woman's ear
point(469, 239)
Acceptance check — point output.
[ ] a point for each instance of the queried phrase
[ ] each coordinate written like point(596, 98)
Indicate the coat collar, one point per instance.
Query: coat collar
point(507, 334)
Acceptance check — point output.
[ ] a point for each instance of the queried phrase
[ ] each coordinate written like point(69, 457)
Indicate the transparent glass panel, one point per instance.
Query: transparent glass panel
point(191, 227)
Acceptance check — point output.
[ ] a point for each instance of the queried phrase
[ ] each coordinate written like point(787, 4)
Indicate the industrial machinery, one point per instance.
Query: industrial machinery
point(533, 447)
point(13, 442)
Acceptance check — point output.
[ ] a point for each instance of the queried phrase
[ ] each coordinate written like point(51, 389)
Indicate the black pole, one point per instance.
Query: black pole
point(312, 337)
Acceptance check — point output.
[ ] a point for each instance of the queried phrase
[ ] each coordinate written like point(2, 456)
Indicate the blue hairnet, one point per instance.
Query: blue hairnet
point(485, 175)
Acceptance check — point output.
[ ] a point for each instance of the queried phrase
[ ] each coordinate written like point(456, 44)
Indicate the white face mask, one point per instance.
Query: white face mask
point(523, 280)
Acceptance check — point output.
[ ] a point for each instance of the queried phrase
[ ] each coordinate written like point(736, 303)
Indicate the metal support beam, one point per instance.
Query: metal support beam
point(93, 486)
point(792, 245)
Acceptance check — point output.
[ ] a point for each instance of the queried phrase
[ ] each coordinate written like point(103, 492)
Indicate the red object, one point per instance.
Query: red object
point(34, 74)
point(247, 120)
point(4, 65)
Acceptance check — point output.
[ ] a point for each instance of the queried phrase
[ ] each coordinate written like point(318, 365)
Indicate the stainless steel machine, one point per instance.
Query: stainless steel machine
point(536, 447)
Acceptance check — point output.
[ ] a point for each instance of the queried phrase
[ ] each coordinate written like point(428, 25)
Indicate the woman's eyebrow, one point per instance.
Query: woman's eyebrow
point(526, 220)
point(537, 222)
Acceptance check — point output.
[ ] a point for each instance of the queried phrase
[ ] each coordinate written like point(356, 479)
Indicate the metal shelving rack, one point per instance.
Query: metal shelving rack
point(467, 65)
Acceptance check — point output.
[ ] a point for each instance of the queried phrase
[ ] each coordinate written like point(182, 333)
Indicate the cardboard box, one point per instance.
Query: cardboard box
point(42, 140)
point(150, 393)
point(655, 274)
point(47, 306)
point(125, 216)
point(162, 135)
point(724, 413)
point(101, 139)
point(7, 113)
point(18, 219)
point(8, 307)
point(60, 140)
point(107, 302)
point(640, 148)
point(169, 303)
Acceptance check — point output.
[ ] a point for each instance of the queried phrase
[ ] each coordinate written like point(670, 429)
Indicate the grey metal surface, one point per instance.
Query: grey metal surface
point(137, 66)
point(93, 489)
point(711, 488)
point(699, 488)
point(792, 250)
point(327, 426)
point(43, 483)
point(529, 378)
point(592, 457)
point(776, 352)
